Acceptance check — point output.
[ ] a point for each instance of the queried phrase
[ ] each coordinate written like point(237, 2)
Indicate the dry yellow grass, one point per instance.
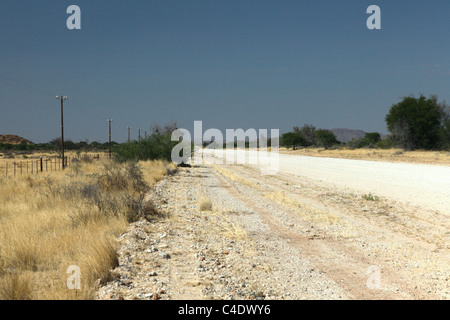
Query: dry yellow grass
point(232, 176)
point(52, 221)
point(228, 228)
point(392, 155)
point(308, 212)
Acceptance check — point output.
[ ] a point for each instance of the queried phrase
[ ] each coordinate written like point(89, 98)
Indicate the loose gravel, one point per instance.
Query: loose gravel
point(277, 237)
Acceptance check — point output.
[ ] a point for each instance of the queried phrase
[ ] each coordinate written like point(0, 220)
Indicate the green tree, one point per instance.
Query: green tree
point(326, 138)
point(445, 129)
point(22, 146)
point(292, 139)
point(417, 123)
point(370, 139)
point(309, 133)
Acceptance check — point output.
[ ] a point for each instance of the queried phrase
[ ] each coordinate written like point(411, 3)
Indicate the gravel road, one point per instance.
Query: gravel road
point(304, 233)
point(423, 185)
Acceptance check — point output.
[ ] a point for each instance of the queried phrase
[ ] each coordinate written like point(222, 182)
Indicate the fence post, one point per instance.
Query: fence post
point(42, 167)
point(7, 169)
point(14, 164)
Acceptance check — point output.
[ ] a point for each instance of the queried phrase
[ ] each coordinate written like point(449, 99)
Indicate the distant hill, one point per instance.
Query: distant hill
point(13, 139)
point(346, 135)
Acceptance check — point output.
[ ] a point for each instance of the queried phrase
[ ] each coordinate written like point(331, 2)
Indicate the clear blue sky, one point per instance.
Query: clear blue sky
point(232, 64)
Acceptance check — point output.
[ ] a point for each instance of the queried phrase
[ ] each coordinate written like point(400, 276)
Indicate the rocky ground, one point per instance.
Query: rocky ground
point(226, 232)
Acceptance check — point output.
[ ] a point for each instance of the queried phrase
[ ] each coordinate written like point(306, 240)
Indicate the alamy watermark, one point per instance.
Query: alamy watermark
point(74, 279)
point(235, 147)
point(374, 280)
point(374, 21)
point(74, 20)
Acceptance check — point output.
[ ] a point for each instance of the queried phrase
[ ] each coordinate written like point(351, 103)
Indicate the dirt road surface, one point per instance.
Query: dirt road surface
point(308, 232)
point(423, 185)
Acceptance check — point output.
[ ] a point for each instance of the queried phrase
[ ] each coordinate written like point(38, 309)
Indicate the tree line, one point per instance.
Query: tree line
point(308, 136)
point(413, 123)
point(55, 145)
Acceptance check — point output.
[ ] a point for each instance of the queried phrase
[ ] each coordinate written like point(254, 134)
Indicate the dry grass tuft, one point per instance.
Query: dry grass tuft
point(205, 204)
point(220, 219)
point(16, 286)
point(231, 230)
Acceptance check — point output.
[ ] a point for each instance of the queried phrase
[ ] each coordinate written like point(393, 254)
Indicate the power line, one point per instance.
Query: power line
point(24, 86)
point(8, 81)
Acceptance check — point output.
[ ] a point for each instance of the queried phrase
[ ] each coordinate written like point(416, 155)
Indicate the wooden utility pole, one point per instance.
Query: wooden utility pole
point(62, 98)
point(109, 120)
point(128, 133)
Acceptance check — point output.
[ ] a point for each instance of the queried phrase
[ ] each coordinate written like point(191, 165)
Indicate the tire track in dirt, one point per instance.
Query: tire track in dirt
point(343, 263)
point(384, 214)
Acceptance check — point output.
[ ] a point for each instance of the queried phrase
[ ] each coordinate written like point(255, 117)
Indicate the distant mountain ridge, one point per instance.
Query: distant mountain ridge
point(346, 135)
point(13, 139)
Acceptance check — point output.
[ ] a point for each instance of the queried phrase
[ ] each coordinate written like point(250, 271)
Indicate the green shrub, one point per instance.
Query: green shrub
point(154, 147)
point(117, 191)
point(370, 140)
point(370, 197)
point(386, 143)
